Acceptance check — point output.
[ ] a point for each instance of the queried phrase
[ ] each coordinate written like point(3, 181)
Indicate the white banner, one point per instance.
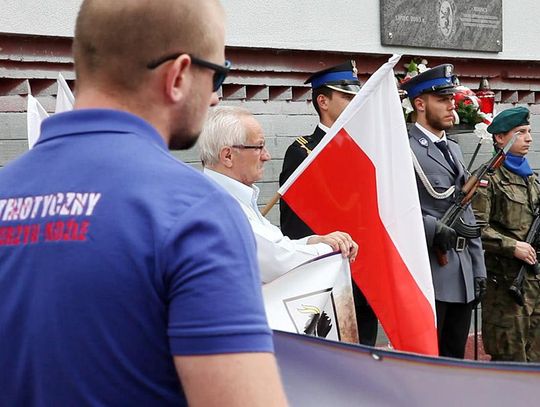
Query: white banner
point(314, 298)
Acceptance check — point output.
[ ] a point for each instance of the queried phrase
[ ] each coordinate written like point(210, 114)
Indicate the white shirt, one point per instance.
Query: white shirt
point(323, 127)
point(429, 134)
point(277, 254)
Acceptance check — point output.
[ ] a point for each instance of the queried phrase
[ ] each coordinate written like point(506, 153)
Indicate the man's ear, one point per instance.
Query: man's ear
point(177, 78)
point(419, 104)
point(500, 139)
point(225, 157)
point(322, 102)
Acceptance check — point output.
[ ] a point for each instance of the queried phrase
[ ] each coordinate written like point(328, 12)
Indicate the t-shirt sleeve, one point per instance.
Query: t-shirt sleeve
point(213, 284)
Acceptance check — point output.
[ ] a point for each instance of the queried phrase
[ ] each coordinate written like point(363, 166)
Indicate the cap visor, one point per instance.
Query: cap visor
point(350, 89)
point(445, 91)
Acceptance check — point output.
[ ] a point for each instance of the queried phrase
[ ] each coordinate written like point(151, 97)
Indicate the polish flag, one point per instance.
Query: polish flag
point(360, 179)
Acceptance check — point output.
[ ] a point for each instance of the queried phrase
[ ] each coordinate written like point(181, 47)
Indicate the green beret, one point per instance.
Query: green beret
point(508, 119)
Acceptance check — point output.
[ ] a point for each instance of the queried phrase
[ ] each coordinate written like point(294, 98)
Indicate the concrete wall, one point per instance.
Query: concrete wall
point(339, 25)
point(353, 26)
point(39, 17)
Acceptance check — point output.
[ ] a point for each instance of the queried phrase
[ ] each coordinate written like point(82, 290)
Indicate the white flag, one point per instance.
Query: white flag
point(64, 97)
point(35, 115)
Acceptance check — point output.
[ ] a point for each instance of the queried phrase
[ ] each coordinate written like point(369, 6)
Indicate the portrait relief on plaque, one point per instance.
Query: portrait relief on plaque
point(447, 17)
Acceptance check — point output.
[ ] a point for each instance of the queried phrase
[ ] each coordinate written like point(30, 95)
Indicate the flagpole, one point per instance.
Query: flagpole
point(270, 204)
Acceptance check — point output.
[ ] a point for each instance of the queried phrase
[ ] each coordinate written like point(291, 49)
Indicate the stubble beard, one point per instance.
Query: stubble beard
point(436, 123)
point(183, 142)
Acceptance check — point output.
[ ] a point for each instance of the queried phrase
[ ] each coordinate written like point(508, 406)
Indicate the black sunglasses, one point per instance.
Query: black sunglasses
point(220, 71)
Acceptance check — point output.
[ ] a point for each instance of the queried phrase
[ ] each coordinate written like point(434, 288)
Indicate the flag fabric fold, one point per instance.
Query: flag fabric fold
point(360, 180)
point(35, 113)
point(64, 98)
point(34, 116)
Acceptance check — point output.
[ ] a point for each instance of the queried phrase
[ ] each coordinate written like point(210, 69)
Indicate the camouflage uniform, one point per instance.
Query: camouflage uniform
point(506, 201)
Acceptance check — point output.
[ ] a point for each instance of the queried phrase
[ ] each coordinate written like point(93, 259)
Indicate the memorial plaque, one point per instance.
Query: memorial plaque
point(474, 25)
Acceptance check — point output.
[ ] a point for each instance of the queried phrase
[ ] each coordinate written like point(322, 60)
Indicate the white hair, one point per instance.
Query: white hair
point(224, 127)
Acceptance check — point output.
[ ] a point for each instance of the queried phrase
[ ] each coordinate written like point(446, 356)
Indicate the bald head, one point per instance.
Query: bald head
point(115, 40)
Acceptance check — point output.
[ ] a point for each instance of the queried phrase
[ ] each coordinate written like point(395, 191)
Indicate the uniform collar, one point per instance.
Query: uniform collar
point(323, 127)
point(87, 121)
point(319, 133)
point(511, 177)
point(432, 137)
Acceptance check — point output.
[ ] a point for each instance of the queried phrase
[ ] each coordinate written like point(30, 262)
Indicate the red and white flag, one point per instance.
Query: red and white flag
point(360, 179)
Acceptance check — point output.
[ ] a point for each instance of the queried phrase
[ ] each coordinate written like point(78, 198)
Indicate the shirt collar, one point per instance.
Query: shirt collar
point(243, 193)
point(323, 127)
point(429, 134)
point(86, 121)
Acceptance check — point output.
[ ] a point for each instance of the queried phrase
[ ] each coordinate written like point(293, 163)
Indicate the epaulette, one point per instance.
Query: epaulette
point(302, 142)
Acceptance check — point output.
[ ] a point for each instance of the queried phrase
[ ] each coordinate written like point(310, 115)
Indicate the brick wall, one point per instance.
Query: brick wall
point(269, 83)
point(282, 122)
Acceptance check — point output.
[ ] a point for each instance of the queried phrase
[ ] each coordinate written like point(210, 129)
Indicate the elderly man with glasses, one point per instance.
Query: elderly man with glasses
point(233, 154)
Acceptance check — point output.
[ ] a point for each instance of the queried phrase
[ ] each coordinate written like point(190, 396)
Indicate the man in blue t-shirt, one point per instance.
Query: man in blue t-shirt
point(126, 277)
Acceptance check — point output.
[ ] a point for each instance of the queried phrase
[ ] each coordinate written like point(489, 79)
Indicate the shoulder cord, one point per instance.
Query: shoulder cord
point(302, 142)
point(423, 178)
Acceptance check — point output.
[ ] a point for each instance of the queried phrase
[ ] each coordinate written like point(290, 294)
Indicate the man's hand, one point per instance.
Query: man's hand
point(480, 288)
point(338, 241)
point(445, 237)
point(525, 252)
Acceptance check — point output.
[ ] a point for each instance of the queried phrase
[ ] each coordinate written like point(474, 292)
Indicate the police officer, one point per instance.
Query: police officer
point(440, 172)
point(333, 89)
point(506, 201)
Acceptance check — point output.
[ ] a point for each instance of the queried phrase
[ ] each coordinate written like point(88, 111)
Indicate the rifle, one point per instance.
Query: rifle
point(452, 217)
point(516, 289)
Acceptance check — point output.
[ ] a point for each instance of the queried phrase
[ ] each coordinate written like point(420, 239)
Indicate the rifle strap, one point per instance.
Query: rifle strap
point(429, 188)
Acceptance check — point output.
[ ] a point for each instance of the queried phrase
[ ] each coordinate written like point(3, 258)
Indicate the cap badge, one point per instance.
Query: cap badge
point(354, 69)
point(448, 71)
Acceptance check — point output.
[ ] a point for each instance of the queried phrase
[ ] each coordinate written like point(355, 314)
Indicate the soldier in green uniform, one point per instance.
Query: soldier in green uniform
point(506, 201)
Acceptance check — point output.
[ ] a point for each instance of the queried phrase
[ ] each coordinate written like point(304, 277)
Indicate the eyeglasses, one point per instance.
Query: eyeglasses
point(220, 71)
point(259, 148)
